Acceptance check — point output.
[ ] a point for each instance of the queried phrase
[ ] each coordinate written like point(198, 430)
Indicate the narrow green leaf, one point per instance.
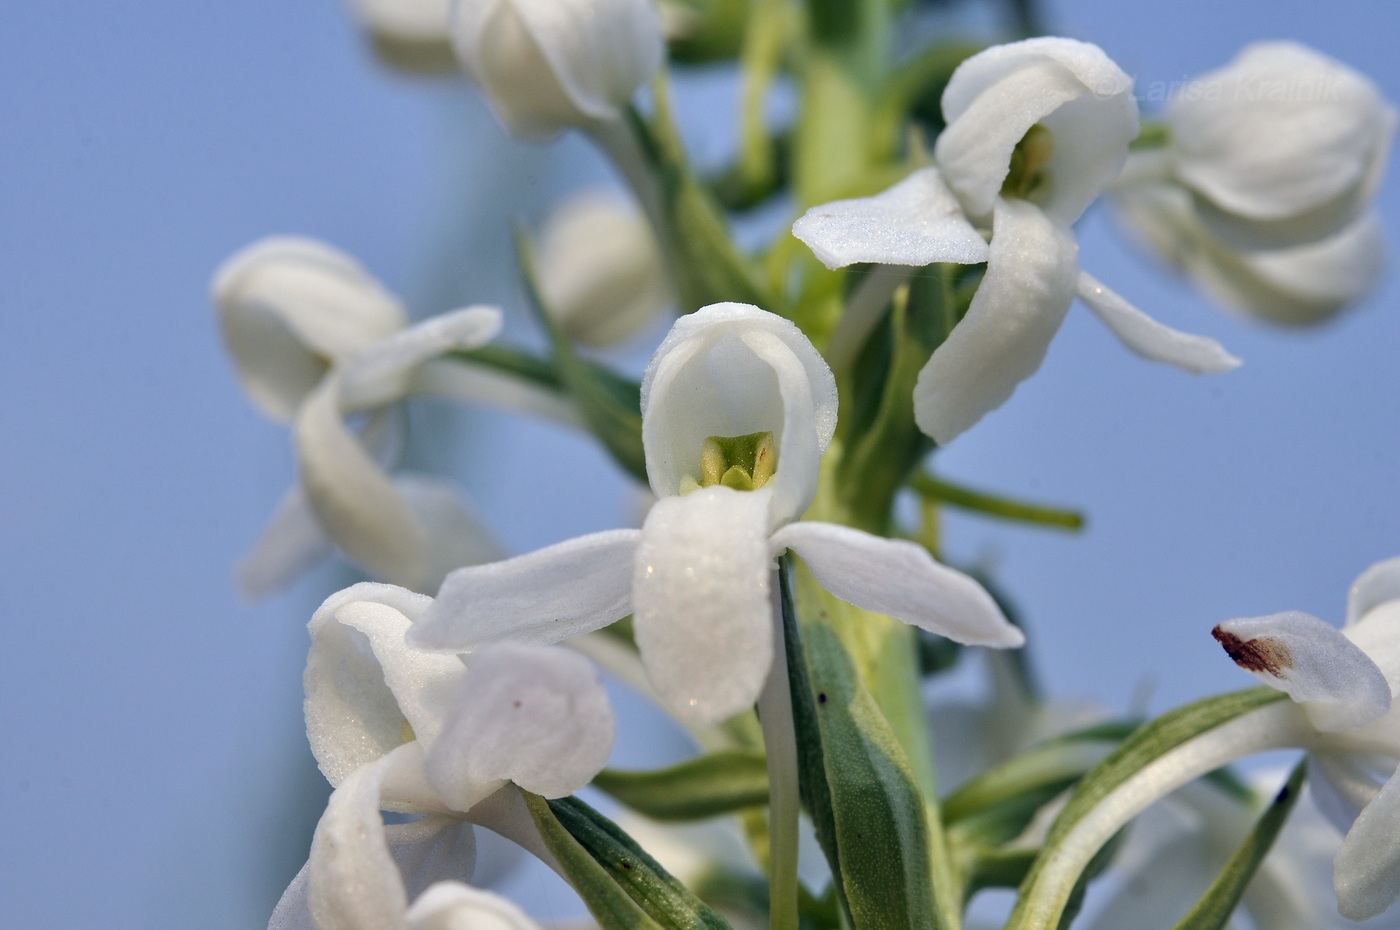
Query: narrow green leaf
point(656, 891)
point(609, 904)
point(865, 805)
point(716, 783)
point(511, 362)
point(1214, 908)
point(993, 505)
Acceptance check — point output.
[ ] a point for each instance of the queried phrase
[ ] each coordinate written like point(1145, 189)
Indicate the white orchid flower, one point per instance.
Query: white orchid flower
point(394, 728)
point(1035, 130)
point(316, 339)
point(601, 273)
point(546, 65)
point(737, 408)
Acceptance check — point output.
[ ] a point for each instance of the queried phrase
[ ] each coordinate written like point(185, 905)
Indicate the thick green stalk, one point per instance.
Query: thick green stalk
point(784, 799)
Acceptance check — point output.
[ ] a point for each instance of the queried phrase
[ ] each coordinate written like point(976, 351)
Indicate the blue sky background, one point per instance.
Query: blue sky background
point(153, 770)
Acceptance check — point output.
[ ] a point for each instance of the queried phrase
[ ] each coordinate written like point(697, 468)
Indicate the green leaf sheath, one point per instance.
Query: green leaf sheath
point(713, 784)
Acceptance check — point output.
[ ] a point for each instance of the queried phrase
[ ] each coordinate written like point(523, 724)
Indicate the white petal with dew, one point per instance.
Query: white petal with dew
point(1030, 282)
point(1367, 867)
point(533, 715)
point(289, 545)
point(900, 579)
point(704, 616)
point(454, 906)
point(1375, 586)
point(381, 374)
point(916, 222)
point(1314, 663)
point(1149, 339)
point(573, 587)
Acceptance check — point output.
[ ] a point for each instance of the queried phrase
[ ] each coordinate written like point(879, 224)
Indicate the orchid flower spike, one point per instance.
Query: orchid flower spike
point(546, 65)
point(1035, 130)
point(315, 338)
point(445, 736)
point(737, 408)
point(411, 35)
point(1263, 190)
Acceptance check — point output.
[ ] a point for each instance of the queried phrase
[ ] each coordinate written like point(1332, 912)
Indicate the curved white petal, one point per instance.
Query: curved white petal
point(533, 715)
point(916, 222)
point(1377, 634)
point(1071, 88)
point(355, 502)
point(420, 20)
point(900, 579)
point(1373, 587)
point(1149, 339)
point(1283, 133)
point(1342, 785)
point(382, 373)
point(702, 591)
point(289, 545)
point(1030, 282)
point(289, 308)
point(456, 906)
point(293, 912)
point(729, 370)
point(456, 536)
point(1311, 661)
point(570, 588)
point(1367, 867)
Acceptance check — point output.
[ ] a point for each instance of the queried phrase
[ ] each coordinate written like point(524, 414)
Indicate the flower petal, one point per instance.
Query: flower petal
point(1144, 336)
point(431, 849)
point(916, 222)
point(1030, 282)
point(1373, 587)
point(289, 545)
point(381, 374)
point(533, 715)
point(1367, 867)
point(455, 534)
point(1310, 660)
point(570, 588)
point(899, 579)
point(1071, 88)
point(455, 906)
point(1342, 784)
point(289, 308)
point(702, 591)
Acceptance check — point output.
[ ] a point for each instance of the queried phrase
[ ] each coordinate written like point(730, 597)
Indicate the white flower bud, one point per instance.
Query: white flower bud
point(549, 64)
point(601, 273)
point(1280, 148)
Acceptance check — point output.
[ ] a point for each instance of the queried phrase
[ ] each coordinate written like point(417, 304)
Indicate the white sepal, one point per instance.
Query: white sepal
point(533, 715)
point(1314, 663)
point(702, 593)
point(290, 543)
point(381, 374)
point(1149, 339)
point(899, 579)
point(452, 905)
point(916, 222)
point(1375, 586)
point(1367, 867)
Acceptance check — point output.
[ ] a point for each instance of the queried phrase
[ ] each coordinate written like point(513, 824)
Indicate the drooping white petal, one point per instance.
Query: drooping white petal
point(1071, 88)
point(563, 590)
point(704, 616)
point(916, 222)
point(900, 579)
point(729, 370)
point(456, 536)
point(1031, 277)
point(290, 543)
point(1149, 339)
point(1373, 587)
point(1288, 148)
point(1341, 784)
point(289, 308)
point(381, 374)
point(533, 715)
point(1310, 660)
point(455, 906)
point(1367, 867)
point(355, 502)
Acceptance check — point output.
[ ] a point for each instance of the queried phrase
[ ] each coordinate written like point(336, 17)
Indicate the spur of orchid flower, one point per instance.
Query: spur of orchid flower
point(1036, 129)
point(443, 736)
point(737, 408)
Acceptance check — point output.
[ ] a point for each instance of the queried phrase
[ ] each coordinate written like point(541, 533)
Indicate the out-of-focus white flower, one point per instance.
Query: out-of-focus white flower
point(1035, 130)
point(601, 273)
point(1262, 193)
point(316, 339)
point(546, 65)
point(413, 35)
point(737, 408)
point(397, 729)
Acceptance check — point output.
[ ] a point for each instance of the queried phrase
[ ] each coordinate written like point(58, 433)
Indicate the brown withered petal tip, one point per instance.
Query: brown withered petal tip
point(1257, 655)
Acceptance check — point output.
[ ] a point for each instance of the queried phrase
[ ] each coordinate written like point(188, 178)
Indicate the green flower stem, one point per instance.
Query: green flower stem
point(764, 42)
point(965, 498)
point(784, 799)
